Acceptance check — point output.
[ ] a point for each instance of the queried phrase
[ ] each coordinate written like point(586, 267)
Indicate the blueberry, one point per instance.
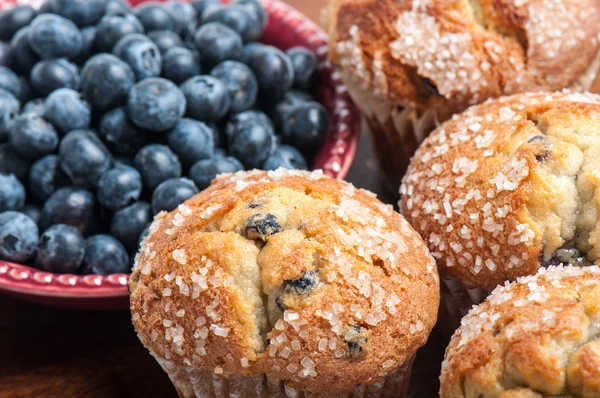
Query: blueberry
point(45, 8)
point(61, 250)
point(104, 255)
point(13, 163)
point(171, 193)
point(191, 140)
point(242, 119)
point(287, 157)
point(220, 152)
point(72, 206)
point(88, 35)
point(303, 285)
point(185, 16)
point(52, 36)
point(119, 187)
point(216, 136)
point(281, 111)
point(105, 81)
point(49, 75)
point(33, 212)
point(261, 226)
point(9, 81)
point(165, 40)
point(204, 171)
point(180, 64)
point(274, 73)
point(156, 163)
point(12, 194)
point(120, 134)
point(19, 237)
point(35, 107)
point(123, 160)
point(67, 110)
point(141, 54)
point(23, 56)
point(154, 16)
point(241, 82)
point(217, 42)
point(304, 62)
point(117, 7)
point(82, 12)
point(156, 104)
point(256, 7)
point(32, 136)
point(84, 158)
point(9, 109)
point(250, 49)
point(14, 19)
point(202, 5)
point(128, 223)
point(306, 127)
point(357, 340)
point(241, 19)
point(297, 97)
point(26, 91)
point(207, 98)
point(46, 176)
point(252, 143)
point(5, 56)
point(113, 27)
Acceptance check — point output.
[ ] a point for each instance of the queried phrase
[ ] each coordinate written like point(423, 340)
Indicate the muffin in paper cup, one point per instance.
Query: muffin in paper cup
point(537, 337)
point(284, 283)
point(412, 64)
point(504, 189)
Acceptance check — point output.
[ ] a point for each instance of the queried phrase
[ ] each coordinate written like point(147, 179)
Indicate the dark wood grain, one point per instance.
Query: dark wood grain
point(52, 353)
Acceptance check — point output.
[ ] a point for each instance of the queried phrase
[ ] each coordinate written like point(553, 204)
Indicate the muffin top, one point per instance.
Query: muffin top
point(538, 337)
point(509, 186)
point(288, 273)
point(449, 54)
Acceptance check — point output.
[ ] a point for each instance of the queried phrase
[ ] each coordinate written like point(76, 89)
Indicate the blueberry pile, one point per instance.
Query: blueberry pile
point(109, 115)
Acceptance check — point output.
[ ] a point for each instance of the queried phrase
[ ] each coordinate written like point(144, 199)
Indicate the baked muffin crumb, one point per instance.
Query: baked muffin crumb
point(536, 337)
point(507, 187)
point(285, 273)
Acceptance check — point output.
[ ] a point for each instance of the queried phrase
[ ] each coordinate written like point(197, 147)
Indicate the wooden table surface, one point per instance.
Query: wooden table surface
point(50, 353)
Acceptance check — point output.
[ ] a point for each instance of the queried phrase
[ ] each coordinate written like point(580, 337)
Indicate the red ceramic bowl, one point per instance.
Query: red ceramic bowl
point(287, 27)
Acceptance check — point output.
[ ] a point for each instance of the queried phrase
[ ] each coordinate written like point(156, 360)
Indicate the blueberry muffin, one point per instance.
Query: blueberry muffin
point(505, 188)
point(284, 282)
point(409, 64)
point(539, 337)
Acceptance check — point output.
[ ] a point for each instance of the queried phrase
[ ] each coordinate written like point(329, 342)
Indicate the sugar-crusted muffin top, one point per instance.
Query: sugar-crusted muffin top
point(508, 186)
point(288, 273)
point(449, 54)
point(538, 337)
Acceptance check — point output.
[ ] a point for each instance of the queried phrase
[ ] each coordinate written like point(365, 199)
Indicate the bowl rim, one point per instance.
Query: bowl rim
point(334, 158)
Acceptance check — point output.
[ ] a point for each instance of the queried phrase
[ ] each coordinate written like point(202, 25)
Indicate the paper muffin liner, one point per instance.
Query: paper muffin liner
point(191, 382)
point(456, 301)
point(396, 132)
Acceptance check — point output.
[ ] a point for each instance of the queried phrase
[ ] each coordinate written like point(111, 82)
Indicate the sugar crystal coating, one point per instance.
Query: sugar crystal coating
point(282, 301)
point(541, 333)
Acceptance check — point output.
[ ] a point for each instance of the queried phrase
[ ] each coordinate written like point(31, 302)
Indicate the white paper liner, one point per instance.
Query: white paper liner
point(396, 132)
point(457, 300)
point(194, 383)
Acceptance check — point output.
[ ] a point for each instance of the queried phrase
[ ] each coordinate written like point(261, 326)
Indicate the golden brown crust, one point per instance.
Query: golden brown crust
point(449, 54)
point(362, 262)
point(497, 189)
point(537, 337)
